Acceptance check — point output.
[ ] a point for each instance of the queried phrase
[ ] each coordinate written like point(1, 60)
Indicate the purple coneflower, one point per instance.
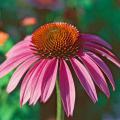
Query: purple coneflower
point(49, 52)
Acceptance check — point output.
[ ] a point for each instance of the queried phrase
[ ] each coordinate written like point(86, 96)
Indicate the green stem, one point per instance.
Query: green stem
point(60, 115)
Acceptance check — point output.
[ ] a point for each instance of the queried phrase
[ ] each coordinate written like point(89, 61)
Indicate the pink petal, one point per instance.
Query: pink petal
point(19, 47)
point(85, 79)
point(22, 50)
point(67, 88)
point(104, 68)
point(49, 80)
point(94, 39)
point(24, 91)
point(26, 86)
point(18, 74)
point(37, 90)
point(104, 52)
point(96, 74)
point(12, 63)
point(35, 79)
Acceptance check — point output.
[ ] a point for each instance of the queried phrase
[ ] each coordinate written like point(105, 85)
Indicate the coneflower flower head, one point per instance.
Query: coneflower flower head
point(46, 53)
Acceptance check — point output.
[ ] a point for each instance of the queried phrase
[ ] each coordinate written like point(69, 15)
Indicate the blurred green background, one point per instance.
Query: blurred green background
point(100, 17)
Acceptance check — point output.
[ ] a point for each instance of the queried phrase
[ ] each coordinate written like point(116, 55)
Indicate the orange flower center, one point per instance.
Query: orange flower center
point(56, 40)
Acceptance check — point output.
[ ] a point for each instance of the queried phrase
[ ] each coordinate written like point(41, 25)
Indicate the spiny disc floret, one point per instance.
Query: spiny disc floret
point(56, 40)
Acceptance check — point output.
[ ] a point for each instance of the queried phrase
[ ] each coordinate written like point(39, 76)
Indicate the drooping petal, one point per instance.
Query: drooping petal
point(37, 91)
point(103, 67)
point(27, 82)
point(12, 63)
point(67, 88)
point(96, 73)
point(21, 51)
point(35, 80)
point(85, 79)
point(49, 80)
point(25, 95)
point(20, 46)
point(18, 74)
point(104, 52)
point(94, 39)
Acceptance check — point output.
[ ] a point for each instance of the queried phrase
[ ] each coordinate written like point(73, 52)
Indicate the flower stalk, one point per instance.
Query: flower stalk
point(60, 114)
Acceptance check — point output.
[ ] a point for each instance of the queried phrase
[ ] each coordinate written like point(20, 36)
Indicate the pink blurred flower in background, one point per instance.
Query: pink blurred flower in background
point(3, 37)
point(50, 52)
point(28, 21)
point(47, 4)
